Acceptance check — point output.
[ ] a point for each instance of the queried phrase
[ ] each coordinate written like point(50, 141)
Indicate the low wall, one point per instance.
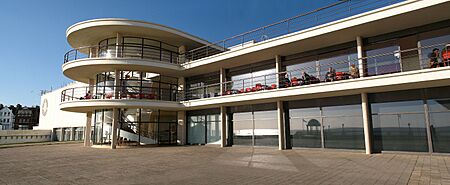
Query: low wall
point(24, 136)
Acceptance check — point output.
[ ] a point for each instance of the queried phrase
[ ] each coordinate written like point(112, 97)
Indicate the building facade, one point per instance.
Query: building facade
point(26, 118)
point(363, 75)
point(64, 126)
point(6, 119)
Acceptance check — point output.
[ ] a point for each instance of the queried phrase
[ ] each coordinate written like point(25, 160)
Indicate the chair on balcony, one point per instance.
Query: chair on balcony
point(248, 89)
point(295, 82)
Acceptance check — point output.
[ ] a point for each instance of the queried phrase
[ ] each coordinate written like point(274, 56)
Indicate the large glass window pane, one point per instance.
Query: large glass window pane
point(243, 128)
point(343, 127)
point(440, 131)
point(196, 130)
point(213, 133)
point(400, 132)
point(383, 60)
point(266, 128)
point(305, 127)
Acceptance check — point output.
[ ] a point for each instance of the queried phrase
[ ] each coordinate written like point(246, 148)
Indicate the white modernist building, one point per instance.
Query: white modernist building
point(369, 75)
point(6, 119)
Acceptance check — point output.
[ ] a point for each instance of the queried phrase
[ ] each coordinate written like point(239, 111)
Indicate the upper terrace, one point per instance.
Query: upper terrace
point(336, 23)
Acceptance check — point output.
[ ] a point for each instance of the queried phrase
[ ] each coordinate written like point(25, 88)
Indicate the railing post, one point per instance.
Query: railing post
point(73, 93)
point(76, 54)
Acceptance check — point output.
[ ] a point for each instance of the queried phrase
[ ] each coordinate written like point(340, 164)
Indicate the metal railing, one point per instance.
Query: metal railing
point(380, 64)
point(330, 13)
point(121, 92)
point(138, 51)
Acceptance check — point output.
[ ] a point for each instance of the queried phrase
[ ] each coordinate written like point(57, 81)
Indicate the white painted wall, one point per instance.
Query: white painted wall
point(51, 115)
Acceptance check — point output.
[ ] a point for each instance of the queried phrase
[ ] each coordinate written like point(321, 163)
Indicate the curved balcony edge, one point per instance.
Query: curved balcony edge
point(83, 106)
point(83, 69)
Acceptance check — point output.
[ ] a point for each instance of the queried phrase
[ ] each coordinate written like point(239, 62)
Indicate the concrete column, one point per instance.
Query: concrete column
point(361, 64)
point(366, 123)
point(87, 130)
point(181, 130)
point(182, 51)
point(91, 87)
point(114, 129)
point(278, 68)
point(118, 44)
point(281, 131)
point(181, 88)
point(223, 123)
point(223, 79)
point(72, 136)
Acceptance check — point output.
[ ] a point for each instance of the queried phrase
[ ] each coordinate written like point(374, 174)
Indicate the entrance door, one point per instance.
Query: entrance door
point(167, 133)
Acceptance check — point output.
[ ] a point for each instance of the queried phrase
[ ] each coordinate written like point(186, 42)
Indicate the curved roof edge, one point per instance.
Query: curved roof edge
point(137, 23)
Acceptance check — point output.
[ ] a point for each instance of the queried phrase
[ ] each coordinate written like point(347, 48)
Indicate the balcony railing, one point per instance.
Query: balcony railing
point(333, 12)
point(380, 64)
point(123, 92)
point(123, 51)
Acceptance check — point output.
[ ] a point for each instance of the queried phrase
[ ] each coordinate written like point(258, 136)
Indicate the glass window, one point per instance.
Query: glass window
point(343, 127)
point(243, 128)
point(213, 132)
point(196, 130)
point(383, 60)
point(305, 127)
point(266, 128)
point(398, 121)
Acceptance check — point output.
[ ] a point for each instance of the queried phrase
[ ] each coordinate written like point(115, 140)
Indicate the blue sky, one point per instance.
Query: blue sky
point(33, 42)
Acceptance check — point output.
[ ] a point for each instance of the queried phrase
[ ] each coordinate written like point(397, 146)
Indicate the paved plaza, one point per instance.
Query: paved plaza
point(74, 164)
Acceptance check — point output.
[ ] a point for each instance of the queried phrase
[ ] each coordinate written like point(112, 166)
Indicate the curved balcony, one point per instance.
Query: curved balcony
point(88, 98)
point(83, 63)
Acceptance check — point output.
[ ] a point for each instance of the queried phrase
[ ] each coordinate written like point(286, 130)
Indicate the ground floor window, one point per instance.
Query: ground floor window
point(204, 127)
point(254, 125)
point(329, 122)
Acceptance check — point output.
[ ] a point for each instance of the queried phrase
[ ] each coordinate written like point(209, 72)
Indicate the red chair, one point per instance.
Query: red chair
point(241, 91)
point(248, 89)
point(258, 87)
point(294, 82)
point(273, 86)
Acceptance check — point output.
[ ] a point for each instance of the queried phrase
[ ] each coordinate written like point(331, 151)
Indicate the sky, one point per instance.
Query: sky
point(33, 40)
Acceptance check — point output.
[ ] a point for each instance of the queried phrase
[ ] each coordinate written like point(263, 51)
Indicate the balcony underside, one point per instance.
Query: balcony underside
point(398, 81)
point(84, 69)
point(91, 105)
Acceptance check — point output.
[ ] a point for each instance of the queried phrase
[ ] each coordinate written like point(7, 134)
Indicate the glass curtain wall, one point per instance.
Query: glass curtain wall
point(255, 125)
point(244, 78)
point(204, 126)
point(329, 122)
point(102, 127)
point(398, 121)
point(137, 127)
point(201, 86)
point(317, 63)
point(439, 115)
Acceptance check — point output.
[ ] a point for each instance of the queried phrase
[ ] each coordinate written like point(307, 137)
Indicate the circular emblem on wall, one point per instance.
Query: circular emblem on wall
point(44, 107)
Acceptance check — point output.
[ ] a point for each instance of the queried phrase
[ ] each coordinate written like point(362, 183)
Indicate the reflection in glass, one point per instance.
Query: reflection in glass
point(440, 124)
point(399, 126)
point(196, 130)
point(243, 128)
point(266, 128)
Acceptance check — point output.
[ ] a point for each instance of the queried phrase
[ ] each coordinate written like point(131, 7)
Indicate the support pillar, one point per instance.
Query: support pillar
point(366, 123)
point(87, 130)
point(361, 64)
point(278, 68)
point(182, 52)
point(118, 45)
point(181, 130)
point(114, 129)
point(281, 131)
point(223, 79)
point(223, 124)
